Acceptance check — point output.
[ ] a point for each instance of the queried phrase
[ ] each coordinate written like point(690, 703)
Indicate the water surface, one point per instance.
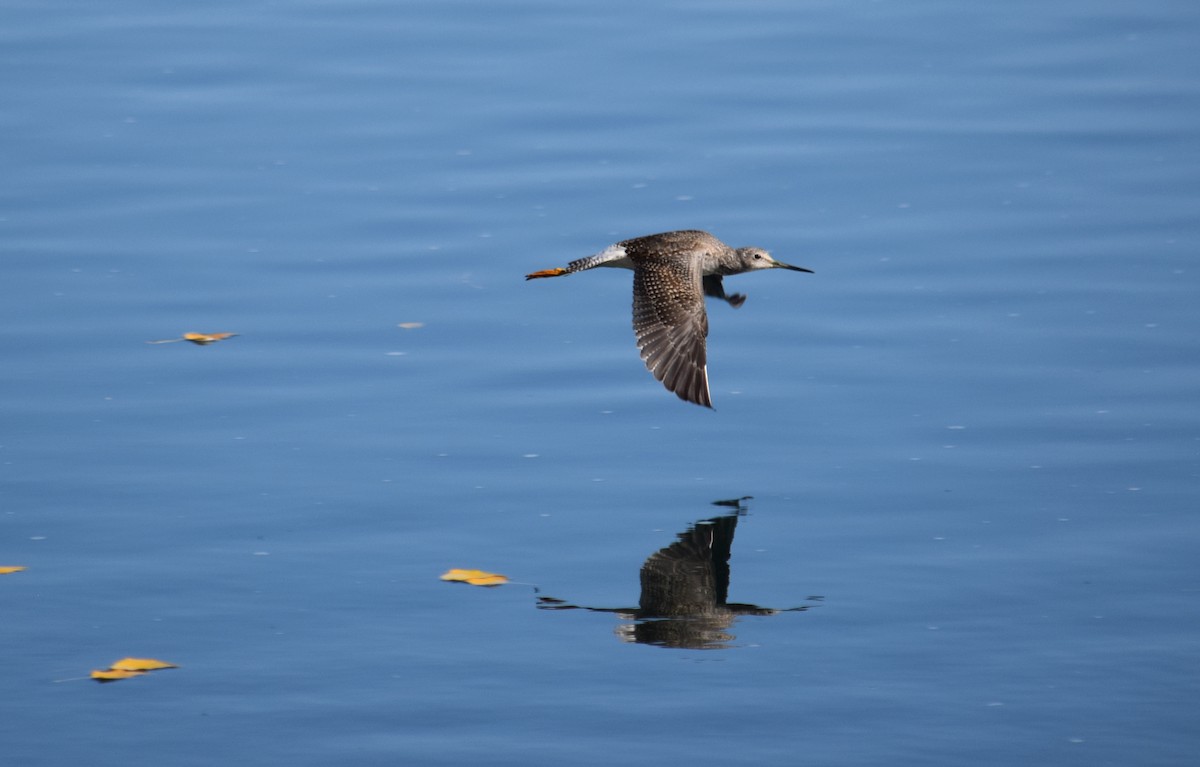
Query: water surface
point(970, 437)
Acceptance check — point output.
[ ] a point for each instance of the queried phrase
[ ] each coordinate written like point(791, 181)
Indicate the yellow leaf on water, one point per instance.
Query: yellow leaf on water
point(474, 577)
point(140, 664)
point(203, 339)
point(11, 569)
point(112, 675)
point(206, 338)
point(488, 580)
point(130, 667)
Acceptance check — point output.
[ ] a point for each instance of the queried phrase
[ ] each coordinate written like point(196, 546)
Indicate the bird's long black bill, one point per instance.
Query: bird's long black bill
point(782, 265)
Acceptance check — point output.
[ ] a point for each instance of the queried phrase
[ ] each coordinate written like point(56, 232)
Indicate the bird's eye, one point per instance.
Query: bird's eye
point(758, 256)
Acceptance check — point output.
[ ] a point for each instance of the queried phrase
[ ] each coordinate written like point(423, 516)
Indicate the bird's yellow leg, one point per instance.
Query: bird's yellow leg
point(546, 273)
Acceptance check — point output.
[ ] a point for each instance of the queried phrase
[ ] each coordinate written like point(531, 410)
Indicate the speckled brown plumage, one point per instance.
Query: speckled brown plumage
point(672, 273)
point(668, 314)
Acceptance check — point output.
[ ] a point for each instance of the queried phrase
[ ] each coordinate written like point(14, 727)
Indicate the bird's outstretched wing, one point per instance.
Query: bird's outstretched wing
point(671, 326)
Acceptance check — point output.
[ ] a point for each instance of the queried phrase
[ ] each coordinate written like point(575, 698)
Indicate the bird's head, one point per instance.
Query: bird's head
point(751, 259)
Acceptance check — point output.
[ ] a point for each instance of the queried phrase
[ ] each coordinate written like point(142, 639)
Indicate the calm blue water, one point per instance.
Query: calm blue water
point(971, 438)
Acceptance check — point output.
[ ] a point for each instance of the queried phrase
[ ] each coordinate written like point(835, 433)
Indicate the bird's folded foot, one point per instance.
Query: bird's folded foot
point(736, 300)
point(546, 273)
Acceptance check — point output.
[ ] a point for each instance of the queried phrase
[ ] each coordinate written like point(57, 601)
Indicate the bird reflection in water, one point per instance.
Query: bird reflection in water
point(684, 588)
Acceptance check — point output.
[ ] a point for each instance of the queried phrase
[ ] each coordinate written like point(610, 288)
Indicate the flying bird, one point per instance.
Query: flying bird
point(672, 273)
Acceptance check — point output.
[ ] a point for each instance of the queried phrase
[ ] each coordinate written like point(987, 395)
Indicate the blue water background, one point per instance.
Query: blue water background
point(971, 437)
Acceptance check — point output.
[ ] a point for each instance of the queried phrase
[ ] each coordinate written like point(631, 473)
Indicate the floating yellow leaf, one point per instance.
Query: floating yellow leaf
point(140, 664)
point(112, 675)
point(11, 569)
point(203, 339)
point(206, 338)
point(130, 667)
point(474, 577)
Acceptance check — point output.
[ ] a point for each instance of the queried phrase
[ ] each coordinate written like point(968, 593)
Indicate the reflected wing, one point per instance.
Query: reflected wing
point(691, 576)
